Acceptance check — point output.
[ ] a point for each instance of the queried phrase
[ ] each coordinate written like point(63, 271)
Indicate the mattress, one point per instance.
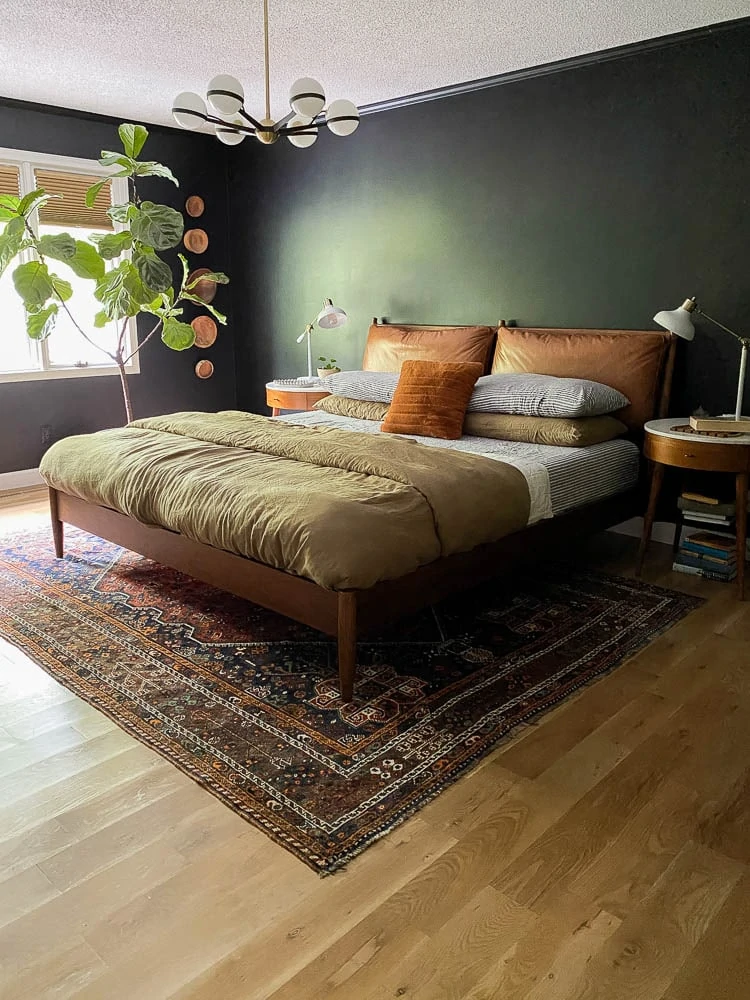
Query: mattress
point(559, 478)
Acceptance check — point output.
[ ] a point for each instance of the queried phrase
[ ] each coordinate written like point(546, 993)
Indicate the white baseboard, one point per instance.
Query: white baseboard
point(20, 480)
point(663, 530)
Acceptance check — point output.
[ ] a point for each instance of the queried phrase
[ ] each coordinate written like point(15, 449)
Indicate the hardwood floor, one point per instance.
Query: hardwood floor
point(604, 853)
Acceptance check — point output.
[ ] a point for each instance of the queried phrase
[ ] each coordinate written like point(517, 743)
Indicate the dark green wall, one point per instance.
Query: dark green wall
point(167, 381)
point(590, 197)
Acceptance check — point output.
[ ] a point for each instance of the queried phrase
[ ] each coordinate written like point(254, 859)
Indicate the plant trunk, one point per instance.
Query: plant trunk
point(125, 392)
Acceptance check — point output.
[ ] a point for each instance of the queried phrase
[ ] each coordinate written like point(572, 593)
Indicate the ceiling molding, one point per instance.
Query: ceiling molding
point(559, 66)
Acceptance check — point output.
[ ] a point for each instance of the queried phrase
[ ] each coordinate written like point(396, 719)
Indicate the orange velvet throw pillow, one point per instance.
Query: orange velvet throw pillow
point(431, 398)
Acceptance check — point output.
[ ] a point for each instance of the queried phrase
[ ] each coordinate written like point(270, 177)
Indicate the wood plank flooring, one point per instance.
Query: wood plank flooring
point(604, 853)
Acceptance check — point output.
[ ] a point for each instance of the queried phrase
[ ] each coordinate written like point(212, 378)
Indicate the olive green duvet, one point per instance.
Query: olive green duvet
point(338, 507)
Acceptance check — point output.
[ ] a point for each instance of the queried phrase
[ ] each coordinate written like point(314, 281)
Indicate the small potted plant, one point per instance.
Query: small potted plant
point(327, 366)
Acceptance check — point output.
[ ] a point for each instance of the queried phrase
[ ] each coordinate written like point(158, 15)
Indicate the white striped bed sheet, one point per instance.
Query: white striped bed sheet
point(559, 478)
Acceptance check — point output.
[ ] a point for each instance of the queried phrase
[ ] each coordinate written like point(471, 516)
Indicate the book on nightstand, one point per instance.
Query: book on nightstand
point(727, 424)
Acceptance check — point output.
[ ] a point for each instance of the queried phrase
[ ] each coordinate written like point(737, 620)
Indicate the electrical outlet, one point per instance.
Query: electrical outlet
point(46, 430)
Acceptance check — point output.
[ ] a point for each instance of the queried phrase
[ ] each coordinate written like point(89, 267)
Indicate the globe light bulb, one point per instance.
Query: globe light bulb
point(302, 140)
point(225, 94)
point(307, 97)
point(229, 136)
point(189, 110)
point(342, 117)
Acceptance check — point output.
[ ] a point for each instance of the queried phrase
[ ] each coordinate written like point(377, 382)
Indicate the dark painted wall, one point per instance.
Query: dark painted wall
point(591, 197)
point(167, 380)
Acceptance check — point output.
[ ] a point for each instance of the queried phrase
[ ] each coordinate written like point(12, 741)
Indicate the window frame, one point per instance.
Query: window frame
point(26, 161)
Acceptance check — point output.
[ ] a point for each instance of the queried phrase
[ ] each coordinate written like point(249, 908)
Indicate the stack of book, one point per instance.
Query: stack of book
point(700, 509)
point(709, 555)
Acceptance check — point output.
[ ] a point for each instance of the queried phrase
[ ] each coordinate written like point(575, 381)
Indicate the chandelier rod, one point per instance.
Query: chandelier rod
point(268, 84)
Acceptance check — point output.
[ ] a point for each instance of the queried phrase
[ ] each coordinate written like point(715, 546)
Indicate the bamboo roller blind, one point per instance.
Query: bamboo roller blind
point(8, 179)
point(70, 209)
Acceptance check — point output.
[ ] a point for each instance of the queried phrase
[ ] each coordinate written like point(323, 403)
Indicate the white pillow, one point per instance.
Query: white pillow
point(512, 392)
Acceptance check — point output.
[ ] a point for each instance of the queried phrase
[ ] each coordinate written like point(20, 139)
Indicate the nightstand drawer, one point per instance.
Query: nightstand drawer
point(284, 399)
point(700, 456)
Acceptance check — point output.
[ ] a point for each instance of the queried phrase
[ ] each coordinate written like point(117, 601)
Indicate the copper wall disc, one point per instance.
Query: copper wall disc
point(204, 369)
point(195, 206)
point(205, 331)
point(196, 240)
point(205, 290)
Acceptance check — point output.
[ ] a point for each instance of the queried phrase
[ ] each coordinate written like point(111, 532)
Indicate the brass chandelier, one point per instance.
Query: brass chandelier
point(232, 123)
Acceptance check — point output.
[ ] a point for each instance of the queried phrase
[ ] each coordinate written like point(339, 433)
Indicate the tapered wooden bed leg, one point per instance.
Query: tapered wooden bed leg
point(347, 643)
point(57, 525)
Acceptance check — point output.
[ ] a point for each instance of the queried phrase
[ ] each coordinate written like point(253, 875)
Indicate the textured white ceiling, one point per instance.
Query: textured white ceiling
point(128, 58)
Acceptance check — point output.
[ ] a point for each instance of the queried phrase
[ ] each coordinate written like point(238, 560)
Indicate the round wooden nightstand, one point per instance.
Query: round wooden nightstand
point(665, 446)
point(292, 397)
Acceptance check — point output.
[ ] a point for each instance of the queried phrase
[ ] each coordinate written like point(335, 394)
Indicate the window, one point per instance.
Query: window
point(65, 353)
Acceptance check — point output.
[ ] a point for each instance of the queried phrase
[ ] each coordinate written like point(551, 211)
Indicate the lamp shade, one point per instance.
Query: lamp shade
point(229, 136)
point(678, 320)
point(225, 94)
point(307, 97)
point(330, 316)
point(342, 117)
point(302, 139)
point(189, 110)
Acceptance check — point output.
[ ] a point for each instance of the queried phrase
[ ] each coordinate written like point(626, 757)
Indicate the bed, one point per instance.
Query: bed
point(326, 521)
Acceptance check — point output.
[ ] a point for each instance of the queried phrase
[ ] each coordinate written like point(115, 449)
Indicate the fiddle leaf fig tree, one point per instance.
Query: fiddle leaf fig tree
point(128, 275)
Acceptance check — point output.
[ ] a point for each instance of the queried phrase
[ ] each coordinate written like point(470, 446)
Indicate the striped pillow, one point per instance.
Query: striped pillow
point(544, 396)
point(376, 387)
point(512, 392)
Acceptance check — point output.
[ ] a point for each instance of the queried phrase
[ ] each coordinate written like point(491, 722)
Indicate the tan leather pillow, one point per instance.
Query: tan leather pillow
point(361, 409)
point(388, 346)
point(628, 360)
point(431, 398)
point(567, 432)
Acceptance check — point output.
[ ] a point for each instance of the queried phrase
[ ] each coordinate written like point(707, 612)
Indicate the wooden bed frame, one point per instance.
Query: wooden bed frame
point(348, 614)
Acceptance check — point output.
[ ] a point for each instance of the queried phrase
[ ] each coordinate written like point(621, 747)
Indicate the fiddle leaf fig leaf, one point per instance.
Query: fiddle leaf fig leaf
point(157, 226)
point(58, 247)
point(179, 336)
point(216, 276)
point(33, 283)
point(154, 272)
point(121, 213)
point(101, 319)
point(39, 325)
point(34, 200)
point(185, 269)
point(112, 244)
point(16, 227)
point(10, 245)
point(148, 168)
point(63, 289)
point(109, 159)
point(93, 192)
point(132, 137)
point(86, 262)
point(10, 202)
point(121, 291)
point(218, 316)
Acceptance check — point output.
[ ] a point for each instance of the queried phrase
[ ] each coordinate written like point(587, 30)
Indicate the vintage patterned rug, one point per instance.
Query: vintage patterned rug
point(246, 702)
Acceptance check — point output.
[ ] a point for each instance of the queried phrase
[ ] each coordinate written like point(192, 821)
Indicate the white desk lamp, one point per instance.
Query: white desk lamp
point(678, 321)
point(329, 318)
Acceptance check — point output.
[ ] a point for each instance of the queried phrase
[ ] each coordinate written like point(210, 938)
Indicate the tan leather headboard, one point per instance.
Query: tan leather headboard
point(632, 361)
point(388, 346)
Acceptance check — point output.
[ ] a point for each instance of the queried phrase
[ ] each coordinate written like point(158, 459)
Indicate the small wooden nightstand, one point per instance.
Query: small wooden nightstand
point(665, 446)
point(292, 397)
